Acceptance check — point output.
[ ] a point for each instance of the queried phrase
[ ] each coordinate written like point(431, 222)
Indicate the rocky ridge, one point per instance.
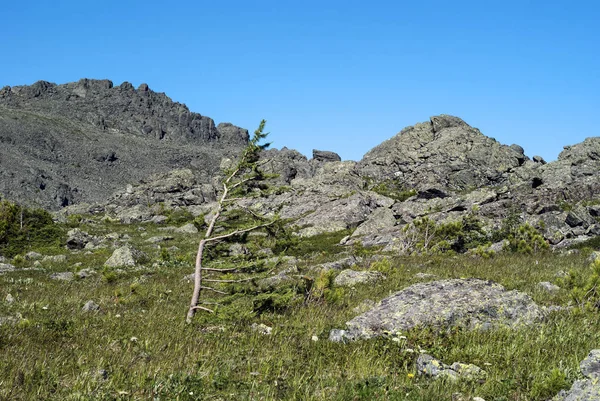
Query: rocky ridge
point(81, 141)
point(321, 195)
point(132, 154)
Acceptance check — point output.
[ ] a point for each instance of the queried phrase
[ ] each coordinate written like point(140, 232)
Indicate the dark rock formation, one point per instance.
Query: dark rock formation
point(81, 141)
point(326, 156)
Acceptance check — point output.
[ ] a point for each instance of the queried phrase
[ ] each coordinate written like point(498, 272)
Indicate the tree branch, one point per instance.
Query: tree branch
point(213, 289)
point(230, 281)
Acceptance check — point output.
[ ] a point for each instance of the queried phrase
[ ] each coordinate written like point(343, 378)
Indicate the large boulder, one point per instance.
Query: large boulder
point(382, 218)
point(350, 278)
point(126, 256)
point(326, 156)
point(77, 239)
point(470, 303)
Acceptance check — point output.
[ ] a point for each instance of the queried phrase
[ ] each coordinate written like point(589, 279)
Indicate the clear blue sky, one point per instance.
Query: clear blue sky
point(333, 75)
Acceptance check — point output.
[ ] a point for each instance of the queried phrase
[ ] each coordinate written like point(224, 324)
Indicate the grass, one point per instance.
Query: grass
point(138, 346)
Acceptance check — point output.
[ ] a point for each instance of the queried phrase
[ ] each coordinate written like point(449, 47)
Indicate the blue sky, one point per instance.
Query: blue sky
point(332, 75)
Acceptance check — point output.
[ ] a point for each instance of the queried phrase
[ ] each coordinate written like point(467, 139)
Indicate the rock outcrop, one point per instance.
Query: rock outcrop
point(470, 303)
point(444, 153)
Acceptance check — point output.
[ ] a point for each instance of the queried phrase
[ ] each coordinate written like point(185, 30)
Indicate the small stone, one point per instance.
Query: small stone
point(160, 219)
point(62, 276)
point(337, 336)
point(6, 267)
point(262, 329)
point(85, 273)
point(33, 255)
point(594, 256)
point(90, 306)
point(9, 299)
point(125, 256)
point(187, 229)
point(160, 238)
point(548, 287)
point(77, 239)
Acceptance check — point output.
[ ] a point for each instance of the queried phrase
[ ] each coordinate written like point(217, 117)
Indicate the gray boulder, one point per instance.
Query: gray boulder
point(326, 156)
point(594, 256)
point(187, 229)
point(33, 255)
point(6, 267)
point(587, 389)
point(349, 278)
point(126, 256)
point(471, 303)
point(380, 219)
point(63, 276)
point(77, 239)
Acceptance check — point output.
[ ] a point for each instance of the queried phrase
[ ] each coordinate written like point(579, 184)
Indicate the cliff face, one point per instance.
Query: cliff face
point(63, 144)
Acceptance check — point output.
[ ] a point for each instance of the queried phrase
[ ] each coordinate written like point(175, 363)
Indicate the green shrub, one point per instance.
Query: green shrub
point(22, 229)
point(546, 386)
point(425, 236)
point(526, 239)
point(585, 292)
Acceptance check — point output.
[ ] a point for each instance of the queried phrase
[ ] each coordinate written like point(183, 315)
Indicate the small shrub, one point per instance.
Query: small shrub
point(546, 386)
point(526, 239)
point(22, 229)
point(585, 292)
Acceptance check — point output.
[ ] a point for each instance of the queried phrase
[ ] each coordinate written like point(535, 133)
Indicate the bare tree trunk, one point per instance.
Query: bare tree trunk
point(198, 271)
point(197, 283)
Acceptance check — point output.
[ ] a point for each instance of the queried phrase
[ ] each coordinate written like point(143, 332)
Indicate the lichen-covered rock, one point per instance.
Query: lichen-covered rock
point(470, 303)
point(548, 286)
point(349, 277)
point(33, 255)
point(380, 219)
point(90, 306)
point(432, 367)
point(62, 276)
point(187, 229)
point(445, 152)
point(326, 156)
point(6, 267)
point(587, 389)
point(126, 256)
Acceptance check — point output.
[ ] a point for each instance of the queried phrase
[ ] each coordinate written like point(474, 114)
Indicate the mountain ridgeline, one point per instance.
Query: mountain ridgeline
point(130, 153)
point(63, 144)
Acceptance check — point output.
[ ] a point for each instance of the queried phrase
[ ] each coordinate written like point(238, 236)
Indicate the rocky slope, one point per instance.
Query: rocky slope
point(63, 144)
point(132, 153)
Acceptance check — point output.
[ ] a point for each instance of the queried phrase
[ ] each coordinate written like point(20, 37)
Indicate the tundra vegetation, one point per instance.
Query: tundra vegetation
point(136, 344)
